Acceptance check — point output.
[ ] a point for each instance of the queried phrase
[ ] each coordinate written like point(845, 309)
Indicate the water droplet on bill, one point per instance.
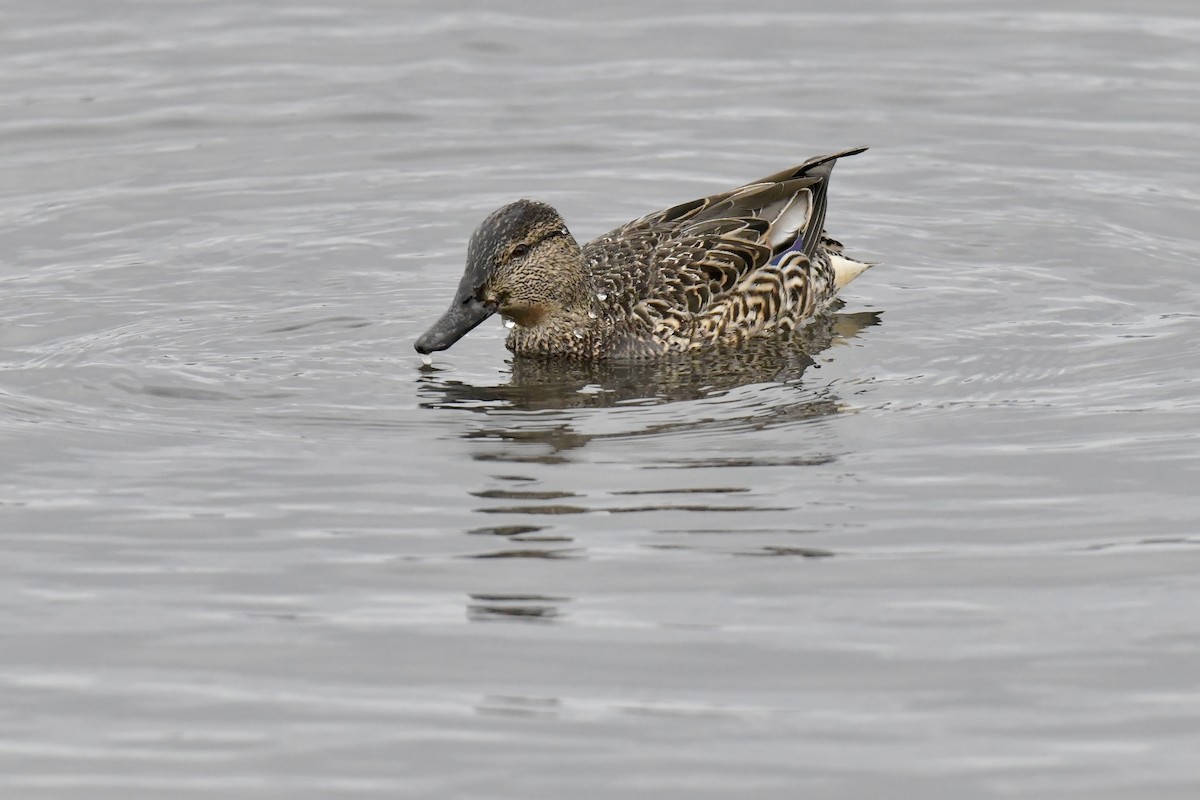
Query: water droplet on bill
point(508, 323)
point(426, 360)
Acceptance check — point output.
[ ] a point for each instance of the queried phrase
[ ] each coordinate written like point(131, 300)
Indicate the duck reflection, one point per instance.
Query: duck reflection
point(541, 385)
point(645, 392)
point(672, 410)
point(524, 607)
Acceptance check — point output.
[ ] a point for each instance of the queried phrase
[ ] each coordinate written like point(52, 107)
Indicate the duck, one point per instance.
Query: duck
point(717, 271)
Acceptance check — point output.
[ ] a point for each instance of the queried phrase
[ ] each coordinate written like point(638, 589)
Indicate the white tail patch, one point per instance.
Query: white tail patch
point(846, 269)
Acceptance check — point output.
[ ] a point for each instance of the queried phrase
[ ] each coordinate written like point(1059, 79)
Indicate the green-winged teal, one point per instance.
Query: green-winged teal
point(716, 270)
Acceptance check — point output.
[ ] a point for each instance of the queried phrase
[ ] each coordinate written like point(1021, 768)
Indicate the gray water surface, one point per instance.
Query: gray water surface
point(945, 544)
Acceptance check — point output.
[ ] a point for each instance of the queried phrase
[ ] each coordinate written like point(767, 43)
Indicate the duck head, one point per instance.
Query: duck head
point(522, 262)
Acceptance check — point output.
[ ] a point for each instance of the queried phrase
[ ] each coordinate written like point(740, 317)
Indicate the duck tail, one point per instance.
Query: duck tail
point(846, 269)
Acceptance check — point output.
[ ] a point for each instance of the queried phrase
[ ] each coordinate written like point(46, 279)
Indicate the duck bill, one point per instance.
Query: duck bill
point(461, 318)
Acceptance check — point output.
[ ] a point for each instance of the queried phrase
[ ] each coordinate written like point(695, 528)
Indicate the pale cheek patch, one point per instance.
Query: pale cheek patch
point(524, 314)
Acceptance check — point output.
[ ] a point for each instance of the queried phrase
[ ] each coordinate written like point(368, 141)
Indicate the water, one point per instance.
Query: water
point(944, 545)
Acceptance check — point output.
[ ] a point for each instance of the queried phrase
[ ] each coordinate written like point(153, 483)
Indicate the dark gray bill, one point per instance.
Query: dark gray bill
point(457, 322)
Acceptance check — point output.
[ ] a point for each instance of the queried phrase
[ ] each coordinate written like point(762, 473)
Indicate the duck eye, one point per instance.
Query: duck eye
point(520, 250)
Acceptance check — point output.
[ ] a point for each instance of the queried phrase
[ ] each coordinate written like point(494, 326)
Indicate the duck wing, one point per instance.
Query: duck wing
point(683, 257)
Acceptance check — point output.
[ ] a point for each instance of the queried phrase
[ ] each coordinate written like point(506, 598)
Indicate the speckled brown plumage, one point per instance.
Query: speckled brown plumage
point(719, 269)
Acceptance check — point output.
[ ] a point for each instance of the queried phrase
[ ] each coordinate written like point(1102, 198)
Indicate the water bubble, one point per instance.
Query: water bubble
point(510, 323)
point(601, 296)
point(578, 333)
point(592, 314)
